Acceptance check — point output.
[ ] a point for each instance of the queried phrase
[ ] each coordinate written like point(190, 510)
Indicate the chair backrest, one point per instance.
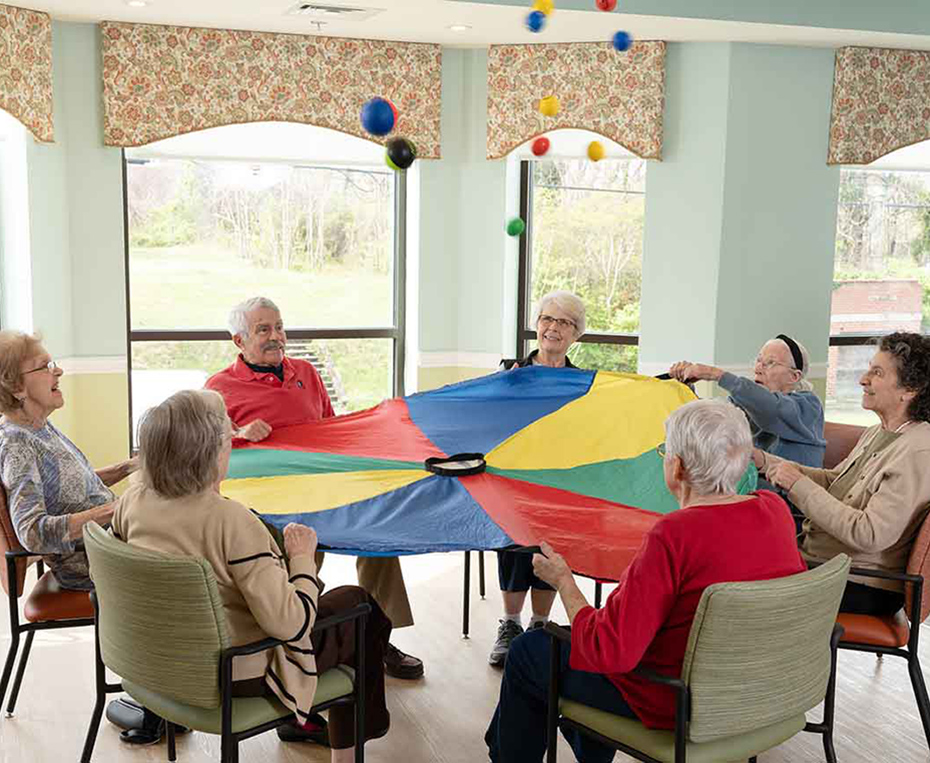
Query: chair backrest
point(9, 542)
point(160, 618)
point(841, 439)
point(918, 563)
point(759, 652)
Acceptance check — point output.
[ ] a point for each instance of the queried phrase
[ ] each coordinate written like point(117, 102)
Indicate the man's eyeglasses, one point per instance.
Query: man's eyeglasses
point(51, 367)
point(660, 449)
point(562, 323)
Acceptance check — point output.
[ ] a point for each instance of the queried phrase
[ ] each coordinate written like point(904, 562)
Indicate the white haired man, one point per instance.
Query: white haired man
point(264, 390)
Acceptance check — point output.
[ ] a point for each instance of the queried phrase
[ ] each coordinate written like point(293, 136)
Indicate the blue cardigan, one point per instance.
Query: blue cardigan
point(787, 425)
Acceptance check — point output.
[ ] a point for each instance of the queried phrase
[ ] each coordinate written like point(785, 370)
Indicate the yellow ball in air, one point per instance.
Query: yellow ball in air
point(595, 151)
point(544, 6)
point(549, 106)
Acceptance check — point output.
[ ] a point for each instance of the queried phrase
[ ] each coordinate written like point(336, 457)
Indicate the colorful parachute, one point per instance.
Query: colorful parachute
point(570, 459)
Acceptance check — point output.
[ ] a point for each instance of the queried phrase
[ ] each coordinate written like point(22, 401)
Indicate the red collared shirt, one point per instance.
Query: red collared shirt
point(300, 398)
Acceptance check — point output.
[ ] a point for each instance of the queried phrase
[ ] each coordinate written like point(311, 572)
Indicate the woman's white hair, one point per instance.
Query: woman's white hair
point(568, 303)
point(238, 321)
point(802, 384)
point(713, 441)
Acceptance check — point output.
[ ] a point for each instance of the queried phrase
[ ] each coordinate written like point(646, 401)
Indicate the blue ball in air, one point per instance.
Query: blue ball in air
point(535, 21)
point(377, 116)
point(622, 41)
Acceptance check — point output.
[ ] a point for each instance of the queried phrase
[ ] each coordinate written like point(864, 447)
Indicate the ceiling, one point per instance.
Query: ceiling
point(490, 22)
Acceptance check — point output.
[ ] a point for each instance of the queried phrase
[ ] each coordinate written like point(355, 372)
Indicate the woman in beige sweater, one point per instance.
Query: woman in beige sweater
point(871, 506)
point(177, 508)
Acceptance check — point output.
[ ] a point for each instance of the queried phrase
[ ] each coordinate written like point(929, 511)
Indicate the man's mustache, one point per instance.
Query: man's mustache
point(272, 346)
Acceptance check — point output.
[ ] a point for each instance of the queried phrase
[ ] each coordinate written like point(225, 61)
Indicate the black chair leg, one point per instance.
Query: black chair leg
point(598, 593)
point(169, 732)
point(8, 667)
point(465, 594)
point(920, 693)
point(14, 692)
point(360, 627)
point(481, 589)
point(100, 676)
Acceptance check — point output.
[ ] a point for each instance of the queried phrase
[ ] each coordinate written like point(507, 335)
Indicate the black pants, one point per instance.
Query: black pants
point(336, 646)
point(859, 599)
point(515, 572)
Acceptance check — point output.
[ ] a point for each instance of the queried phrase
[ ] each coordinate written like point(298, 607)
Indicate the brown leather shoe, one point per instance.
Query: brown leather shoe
point(401, 665)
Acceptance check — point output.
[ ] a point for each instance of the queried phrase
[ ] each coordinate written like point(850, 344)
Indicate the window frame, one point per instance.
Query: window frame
point(397, 332)
point(525, 332)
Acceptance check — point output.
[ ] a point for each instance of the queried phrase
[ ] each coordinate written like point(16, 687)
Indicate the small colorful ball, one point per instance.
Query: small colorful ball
point(540, 146)
point(399, 153)
point(549, 106)
point(515, 227)
point(595, 151)
point(377, 116)
point(622, 40)
point(544, 6)
point(605, 5)
point(535, 21)
point(393, 109)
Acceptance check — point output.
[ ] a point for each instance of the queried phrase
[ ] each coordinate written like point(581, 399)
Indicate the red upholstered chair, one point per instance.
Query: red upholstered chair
point(841, 439)
point(47, 607)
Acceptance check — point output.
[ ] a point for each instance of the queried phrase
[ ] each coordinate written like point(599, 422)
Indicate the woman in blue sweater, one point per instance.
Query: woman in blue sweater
point(785, 415)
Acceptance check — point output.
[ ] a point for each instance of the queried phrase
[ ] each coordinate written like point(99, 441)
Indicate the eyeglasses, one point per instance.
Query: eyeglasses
point(562, 323)
point(660, 449)
point(51, 367)
point(771, 363)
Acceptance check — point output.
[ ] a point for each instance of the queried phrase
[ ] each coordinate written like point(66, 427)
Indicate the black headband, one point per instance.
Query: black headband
point(795, 352)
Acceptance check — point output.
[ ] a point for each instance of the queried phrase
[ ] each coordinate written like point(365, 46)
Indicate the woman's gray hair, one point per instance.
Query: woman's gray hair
point(568, 303)
point(713, 440)
point(180, 442)
point(802, 384)
point(238, 321)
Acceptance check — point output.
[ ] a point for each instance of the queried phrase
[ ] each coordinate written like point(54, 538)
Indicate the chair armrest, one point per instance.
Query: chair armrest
point(882, 575)
point(253, 648)
point(559, 632)
point(658, 678)
point(19, 554)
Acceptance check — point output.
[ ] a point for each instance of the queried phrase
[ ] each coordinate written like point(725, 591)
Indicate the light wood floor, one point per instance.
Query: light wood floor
point(439, 718)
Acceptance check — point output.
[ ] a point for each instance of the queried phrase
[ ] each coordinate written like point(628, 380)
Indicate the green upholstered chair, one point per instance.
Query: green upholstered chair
point(760, 655)
point(161, 627)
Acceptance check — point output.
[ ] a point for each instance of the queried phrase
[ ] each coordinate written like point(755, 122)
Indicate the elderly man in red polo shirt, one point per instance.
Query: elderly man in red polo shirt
point(264, 390)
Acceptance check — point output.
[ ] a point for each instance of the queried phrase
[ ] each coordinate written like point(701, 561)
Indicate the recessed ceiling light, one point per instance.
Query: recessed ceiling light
point(459, 27)
point(136, 3)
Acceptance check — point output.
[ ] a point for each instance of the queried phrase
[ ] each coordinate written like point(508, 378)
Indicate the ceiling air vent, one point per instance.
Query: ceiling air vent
point(325, 12)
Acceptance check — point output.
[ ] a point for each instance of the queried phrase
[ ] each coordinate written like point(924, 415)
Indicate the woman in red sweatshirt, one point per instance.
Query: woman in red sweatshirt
point(715, 536)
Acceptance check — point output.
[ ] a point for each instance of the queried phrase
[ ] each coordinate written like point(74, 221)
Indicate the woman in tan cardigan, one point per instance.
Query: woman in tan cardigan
point(871, 506)
point(184, 450)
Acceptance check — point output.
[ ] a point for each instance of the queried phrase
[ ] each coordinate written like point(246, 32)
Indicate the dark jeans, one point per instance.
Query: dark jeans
point(859, 599)
point(518, 730)
point(515, 571)
point(335, 646)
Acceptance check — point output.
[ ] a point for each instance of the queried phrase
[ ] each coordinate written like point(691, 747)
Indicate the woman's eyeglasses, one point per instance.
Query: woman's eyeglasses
point(562, 323)
point(51, 367)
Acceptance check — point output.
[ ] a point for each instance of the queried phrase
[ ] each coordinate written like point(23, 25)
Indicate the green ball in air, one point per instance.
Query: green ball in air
point(515, 227)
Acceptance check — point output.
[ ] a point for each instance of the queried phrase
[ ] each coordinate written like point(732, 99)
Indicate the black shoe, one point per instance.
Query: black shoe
point(401, 665)
point(294, 732)
point(506, 633)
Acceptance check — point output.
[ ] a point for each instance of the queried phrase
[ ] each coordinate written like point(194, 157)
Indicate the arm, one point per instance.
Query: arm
point(903, 491)
point(821, 477)
point(792, 416)
point(283, 604)
point(552, 568)
point(110, 475)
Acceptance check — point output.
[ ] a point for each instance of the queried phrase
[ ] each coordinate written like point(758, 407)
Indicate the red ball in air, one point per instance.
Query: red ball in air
point(393, 108)
point(605, 5)
point(540, 146)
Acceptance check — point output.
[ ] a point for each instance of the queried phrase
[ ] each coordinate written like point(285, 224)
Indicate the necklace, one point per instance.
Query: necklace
point(903, 426)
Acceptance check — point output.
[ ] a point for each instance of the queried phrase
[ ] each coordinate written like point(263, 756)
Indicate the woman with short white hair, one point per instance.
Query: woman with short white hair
point(715, 536)
point(559, 317)
point(785, 414)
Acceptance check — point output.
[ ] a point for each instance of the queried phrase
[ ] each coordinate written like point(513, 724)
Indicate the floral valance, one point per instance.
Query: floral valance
point(161, 81)
point(26, 69)
point(881, 102)
point(618, 95)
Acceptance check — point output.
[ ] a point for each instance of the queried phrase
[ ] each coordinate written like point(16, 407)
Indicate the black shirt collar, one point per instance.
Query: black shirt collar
point(276, 370)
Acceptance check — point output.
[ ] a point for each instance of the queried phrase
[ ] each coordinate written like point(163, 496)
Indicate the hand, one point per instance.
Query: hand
point(685, 372)
point(254, 431)
point(783, 474)
point(551, 567)
point(758, 458)
point(299, 539)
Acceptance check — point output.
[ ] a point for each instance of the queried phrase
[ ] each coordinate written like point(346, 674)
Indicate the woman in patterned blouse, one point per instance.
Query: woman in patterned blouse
point(52, 490)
